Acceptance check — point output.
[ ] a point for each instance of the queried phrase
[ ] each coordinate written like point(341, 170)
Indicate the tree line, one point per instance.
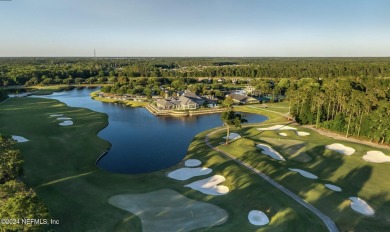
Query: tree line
point(351, 105)
point(46, 71)
point(17, 201)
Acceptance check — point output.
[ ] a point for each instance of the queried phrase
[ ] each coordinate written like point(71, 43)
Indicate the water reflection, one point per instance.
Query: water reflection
point(140, 141)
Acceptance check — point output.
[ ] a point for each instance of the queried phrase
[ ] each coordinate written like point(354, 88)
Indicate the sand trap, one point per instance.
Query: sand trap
point(210, 185)
point(258, 218)
point(333, 187)
point(340, 148)
point(302, 133)
point(283, 134)
point(267, 150)
point(292, 149)
point(361, 206)
point(233, 136)
point(56, 115)
point(167, 210)
point(59, 93)
point(19, 139)
point(66, 123)
point(188, 173)
point(376, 157)
point(304, 173)
point(192, 163)
point(277, 127)
point(63, 118)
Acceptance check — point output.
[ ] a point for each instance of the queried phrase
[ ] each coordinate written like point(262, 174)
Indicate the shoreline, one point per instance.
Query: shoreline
point(174, 113)
point(154, 110)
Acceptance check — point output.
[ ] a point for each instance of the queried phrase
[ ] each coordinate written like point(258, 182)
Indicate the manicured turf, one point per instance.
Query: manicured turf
point(60, 166)
point(355, 176)
point(125, 102)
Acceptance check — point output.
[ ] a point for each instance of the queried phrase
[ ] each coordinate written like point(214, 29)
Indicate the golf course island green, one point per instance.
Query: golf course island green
point(59, 164)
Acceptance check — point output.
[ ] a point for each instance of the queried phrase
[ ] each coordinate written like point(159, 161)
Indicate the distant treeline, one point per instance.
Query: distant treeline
point(46, 71)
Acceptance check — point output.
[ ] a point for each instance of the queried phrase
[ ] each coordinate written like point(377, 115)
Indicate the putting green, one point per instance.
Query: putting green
point(167, 210)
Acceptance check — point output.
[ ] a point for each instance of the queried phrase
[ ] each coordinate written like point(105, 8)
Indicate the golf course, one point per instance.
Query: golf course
point(59, 164)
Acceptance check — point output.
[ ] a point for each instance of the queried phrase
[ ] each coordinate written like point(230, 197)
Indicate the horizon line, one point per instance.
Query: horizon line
point(194, 57)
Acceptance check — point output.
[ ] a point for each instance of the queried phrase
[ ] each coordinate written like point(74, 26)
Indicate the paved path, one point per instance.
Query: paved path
point(328, 222)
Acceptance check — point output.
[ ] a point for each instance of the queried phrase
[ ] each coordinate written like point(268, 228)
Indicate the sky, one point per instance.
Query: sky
point(250, 28)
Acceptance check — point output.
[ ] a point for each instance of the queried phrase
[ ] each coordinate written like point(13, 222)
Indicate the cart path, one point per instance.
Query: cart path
point(328, 222)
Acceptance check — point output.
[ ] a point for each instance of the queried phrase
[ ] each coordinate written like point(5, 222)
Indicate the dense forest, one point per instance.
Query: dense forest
point(354, 106)
point(46, 71)
point(17, 201)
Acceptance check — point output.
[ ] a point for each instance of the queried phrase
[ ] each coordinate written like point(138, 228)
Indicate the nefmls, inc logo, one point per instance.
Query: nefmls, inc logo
point(31, 221)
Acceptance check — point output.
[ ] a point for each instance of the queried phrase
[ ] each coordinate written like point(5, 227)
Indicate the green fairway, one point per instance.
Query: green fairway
point(354, 175)
point(60, 166)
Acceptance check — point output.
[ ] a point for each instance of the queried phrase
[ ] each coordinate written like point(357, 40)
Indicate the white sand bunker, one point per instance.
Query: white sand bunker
point(210, 185)
point(283, 134)
point(56, 115)
point(340, 148)
point(19, 139)
point(333, 187)
point(361, 206)
point(376, 157)
point(258, 218)
point(188, 173)
point(302, 133)
point(267, 150)
point(304, 173)
point(192, 163)
point(277, 127)
point(66, 123)
point(233, 136)
point(167, 210)
point(63, 118)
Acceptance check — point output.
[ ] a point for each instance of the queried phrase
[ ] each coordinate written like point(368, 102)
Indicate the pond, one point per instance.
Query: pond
point(142, 142)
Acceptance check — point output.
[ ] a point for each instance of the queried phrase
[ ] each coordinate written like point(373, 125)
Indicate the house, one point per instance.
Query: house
point(164, 104)
point(193, 97)
point(242, 99)
point(187, 104)
point(187, 101)
point(239, 92)
point(250, 89)
point(211, 101)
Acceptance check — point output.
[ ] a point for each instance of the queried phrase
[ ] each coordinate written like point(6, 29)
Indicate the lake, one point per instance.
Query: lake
point(142, 142)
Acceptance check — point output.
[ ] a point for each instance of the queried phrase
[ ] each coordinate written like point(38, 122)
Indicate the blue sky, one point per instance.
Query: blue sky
point(195, 27)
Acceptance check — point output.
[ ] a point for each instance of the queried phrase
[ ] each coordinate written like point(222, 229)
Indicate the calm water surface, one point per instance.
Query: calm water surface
point(140, 141)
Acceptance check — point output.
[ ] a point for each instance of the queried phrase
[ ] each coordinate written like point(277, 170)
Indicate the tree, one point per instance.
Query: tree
point(3, 94)
point(78, 80)
point(11, 161)
point(228, 102)
point(231, 118)
point(19, 202)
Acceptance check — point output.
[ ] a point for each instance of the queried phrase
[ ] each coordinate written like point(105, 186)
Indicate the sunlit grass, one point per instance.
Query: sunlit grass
point(125, 102)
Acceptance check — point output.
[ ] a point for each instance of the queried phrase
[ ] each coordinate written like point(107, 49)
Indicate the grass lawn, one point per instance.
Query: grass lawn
point(355, 176)
point(126, 102)
point(60, 166)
